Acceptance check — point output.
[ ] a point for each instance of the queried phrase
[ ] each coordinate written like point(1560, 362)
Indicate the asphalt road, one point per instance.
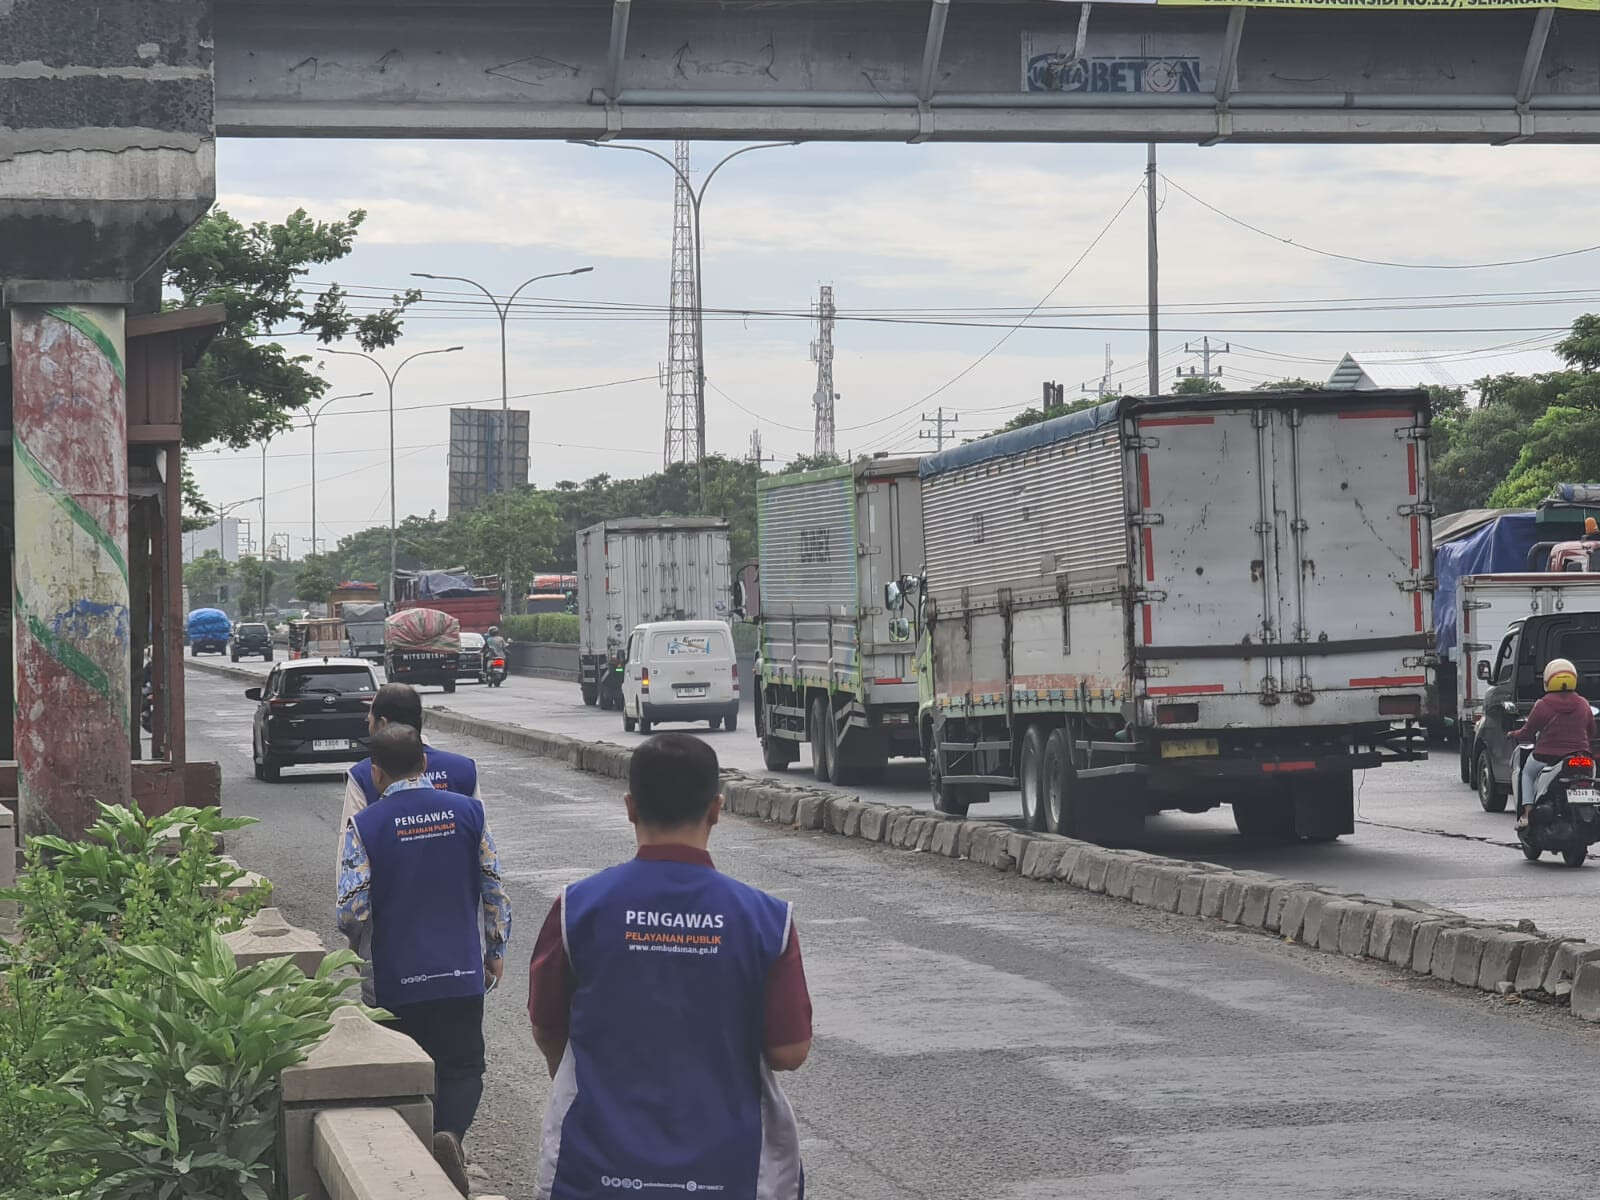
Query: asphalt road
point(1420, 833)
point(979, 1036)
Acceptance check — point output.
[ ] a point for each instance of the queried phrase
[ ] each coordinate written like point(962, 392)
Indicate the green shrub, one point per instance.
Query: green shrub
point(133, 882)
point(181, 1096)
point(561, 628)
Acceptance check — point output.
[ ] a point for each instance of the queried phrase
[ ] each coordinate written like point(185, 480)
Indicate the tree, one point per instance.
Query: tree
point(314, 580)
point(245, 388)
point(1196, 385)
point(1289, 385)
point(253, 578)
point(1033, 416)
point(204, 578)
point(812, 462)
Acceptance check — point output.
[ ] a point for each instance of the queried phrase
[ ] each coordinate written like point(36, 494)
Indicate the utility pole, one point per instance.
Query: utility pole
point(263, 527)
point(822, 354)
point(1205, 351)
point(683, 318)
point(1152, 269)
point(939, 420)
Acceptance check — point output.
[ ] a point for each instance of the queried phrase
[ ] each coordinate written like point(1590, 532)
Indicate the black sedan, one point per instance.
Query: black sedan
point(311, 710)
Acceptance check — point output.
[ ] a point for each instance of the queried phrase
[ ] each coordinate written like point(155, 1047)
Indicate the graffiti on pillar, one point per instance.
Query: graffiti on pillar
point(71, 627)
point(1113, 64)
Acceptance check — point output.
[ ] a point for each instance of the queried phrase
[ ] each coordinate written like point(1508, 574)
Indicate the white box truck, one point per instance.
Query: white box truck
point(1178, 603)
point(1487, 607)
point(644, 569)
point(838, 669)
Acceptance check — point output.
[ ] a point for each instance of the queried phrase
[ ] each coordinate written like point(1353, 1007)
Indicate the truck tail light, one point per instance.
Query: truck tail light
point(644, 679)
point(735, 679)
point(1177, 714)
point(1399, 706)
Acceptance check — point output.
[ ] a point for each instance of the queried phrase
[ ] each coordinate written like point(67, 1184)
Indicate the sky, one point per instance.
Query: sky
point(936, 253)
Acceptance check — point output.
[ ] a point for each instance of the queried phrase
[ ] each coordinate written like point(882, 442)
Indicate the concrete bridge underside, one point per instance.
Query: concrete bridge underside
point(903, 70)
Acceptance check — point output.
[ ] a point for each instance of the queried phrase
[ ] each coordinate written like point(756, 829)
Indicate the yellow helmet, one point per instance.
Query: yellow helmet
point(1560, 676)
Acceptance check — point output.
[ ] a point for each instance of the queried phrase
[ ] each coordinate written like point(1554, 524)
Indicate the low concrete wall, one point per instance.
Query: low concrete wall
point(548, 660)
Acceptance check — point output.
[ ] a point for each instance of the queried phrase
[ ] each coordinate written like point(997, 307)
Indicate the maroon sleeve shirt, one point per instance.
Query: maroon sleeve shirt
point(551, 986)
point(1561, 723)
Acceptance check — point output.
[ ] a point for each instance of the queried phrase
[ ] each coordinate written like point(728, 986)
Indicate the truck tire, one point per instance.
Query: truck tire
point(1057, 769)
point(778, 753)
point(1325, 807)
point(823, 742)
point(1264, 818)
point(450, 686)
point(1465, 745)
point(1492, 796)
point(591, 694)
point(1031, 778)
point(952, 798)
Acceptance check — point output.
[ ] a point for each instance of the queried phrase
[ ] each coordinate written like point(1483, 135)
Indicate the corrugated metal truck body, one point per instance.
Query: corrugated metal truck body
point(837, 668)
point(1177, 603)
point(644, 569)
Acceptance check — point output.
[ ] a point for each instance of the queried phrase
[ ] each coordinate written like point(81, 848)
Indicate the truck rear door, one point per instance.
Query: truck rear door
point(1299, 529)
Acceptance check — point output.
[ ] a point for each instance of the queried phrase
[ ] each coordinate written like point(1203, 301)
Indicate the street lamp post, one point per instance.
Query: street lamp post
point(312, 420)
point(222, 549)
point(501, 311)
point(695, 197)
point(389, 378)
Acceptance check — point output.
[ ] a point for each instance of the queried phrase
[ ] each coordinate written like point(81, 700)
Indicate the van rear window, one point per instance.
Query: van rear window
point(699, 644)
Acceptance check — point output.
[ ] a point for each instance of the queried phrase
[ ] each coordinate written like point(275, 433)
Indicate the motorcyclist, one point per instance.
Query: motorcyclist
point(494, 645)
point(1561, 723)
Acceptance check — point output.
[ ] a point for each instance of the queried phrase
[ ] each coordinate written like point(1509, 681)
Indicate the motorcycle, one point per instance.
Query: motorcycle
point(494, 672)
point(1566, 808)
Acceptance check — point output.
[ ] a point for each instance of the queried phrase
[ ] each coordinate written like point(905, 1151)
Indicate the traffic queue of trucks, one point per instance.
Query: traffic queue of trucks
point(1150, 604)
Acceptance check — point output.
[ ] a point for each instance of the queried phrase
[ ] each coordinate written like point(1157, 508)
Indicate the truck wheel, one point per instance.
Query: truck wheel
point(628, 723)
point(1264, 818)
point(450, 686)
point(1325, 808)
point(591, 694)
point(778, 753)
point(823, 745)
point(1031, 778)
point(1057, 772)
point(952, 798)
point(644, 725)
point(1465, 746)
point(1491, 795)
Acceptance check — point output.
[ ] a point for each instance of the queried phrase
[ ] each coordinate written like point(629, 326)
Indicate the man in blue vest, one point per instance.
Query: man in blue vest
point(663, 995)
point(400, 704)
point(418, 872)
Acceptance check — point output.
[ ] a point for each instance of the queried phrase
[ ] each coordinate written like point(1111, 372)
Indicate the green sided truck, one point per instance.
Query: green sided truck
point(837, 669)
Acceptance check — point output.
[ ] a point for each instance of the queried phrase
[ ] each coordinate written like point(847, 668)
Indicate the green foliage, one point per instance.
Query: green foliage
point(204, 576)
point(314, 581)
point(1562, 445)
point(1033, 416)
point(560, 628)
point(1196, 385)
point(1293, 384)
point(180, 1097)
point(245, 387)
point(253, 577)
point(86, 912)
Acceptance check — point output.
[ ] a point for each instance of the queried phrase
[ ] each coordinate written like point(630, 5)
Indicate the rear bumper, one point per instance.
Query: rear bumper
point(295, 750)
point(689, 710)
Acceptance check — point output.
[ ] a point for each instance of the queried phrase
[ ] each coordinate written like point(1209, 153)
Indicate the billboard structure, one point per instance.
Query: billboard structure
point(476, 454)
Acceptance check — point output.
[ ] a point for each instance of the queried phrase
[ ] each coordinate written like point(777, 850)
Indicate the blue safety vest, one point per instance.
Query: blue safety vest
point(664, 1085)
point(423, 845)
point(447, 771)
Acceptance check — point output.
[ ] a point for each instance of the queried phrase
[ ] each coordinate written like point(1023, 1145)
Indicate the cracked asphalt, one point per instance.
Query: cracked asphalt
point(979, 1036)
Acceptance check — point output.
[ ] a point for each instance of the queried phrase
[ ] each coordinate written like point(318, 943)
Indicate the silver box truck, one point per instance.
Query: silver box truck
point(837, 668)
point(1177, 603)
point(644, 569)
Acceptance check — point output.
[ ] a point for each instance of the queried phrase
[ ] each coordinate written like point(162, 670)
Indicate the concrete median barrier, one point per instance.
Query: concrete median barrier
point(1422, 938)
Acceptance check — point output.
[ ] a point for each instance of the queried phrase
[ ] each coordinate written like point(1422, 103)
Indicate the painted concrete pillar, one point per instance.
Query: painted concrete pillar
point(70, 614)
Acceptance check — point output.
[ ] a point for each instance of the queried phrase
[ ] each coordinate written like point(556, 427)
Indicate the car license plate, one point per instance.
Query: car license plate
point(1190, 748)
point(1583, 796)
point(691, 693)
point(320, 744)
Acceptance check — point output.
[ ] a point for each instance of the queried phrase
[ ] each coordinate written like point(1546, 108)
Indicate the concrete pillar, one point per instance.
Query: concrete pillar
point(69, 442)
point(358, 1064)
point(268, 935)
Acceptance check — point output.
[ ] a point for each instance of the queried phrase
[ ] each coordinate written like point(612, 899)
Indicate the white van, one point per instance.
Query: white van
point(680, 671)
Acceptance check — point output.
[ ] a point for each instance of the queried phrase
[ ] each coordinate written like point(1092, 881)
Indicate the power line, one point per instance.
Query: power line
point(1376, 262)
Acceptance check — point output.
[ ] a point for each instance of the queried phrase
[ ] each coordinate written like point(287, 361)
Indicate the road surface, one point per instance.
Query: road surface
point(980, 1037)
point(1420, 834)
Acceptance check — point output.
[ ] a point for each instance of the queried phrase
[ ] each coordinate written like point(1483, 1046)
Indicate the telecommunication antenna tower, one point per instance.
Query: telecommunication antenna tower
point(822, 354)
point(683, 356)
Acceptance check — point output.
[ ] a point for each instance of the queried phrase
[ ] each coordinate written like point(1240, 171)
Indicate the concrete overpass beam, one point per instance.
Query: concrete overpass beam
point(109, 156)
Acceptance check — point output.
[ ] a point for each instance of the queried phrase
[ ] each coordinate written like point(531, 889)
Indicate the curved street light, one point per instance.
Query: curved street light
point(695, 197)
point(312, 422)
point(501, 311)
point(389, 378)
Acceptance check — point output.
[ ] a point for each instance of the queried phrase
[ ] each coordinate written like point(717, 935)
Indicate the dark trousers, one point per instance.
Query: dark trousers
point(451, 1033)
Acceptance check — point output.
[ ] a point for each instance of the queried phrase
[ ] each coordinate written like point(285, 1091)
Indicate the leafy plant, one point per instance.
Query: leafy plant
point(561, 628)
point(181, 1096)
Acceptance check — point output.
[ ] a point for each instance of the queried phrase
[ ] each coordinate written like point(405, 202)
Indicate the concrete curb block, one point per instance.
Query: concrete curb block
point(1483, 955)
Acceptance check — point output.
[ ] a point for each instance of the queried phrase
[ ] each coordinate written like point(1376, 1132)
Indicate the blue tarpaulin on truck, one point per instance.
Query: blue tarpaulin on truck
point(1501, 545)
point(209, 623)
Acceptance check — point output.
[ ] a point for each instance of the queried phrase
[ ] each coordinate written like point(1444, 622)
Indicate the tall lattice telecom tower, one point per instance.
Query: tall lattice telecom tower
point(683, 352)
point(822, 354)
